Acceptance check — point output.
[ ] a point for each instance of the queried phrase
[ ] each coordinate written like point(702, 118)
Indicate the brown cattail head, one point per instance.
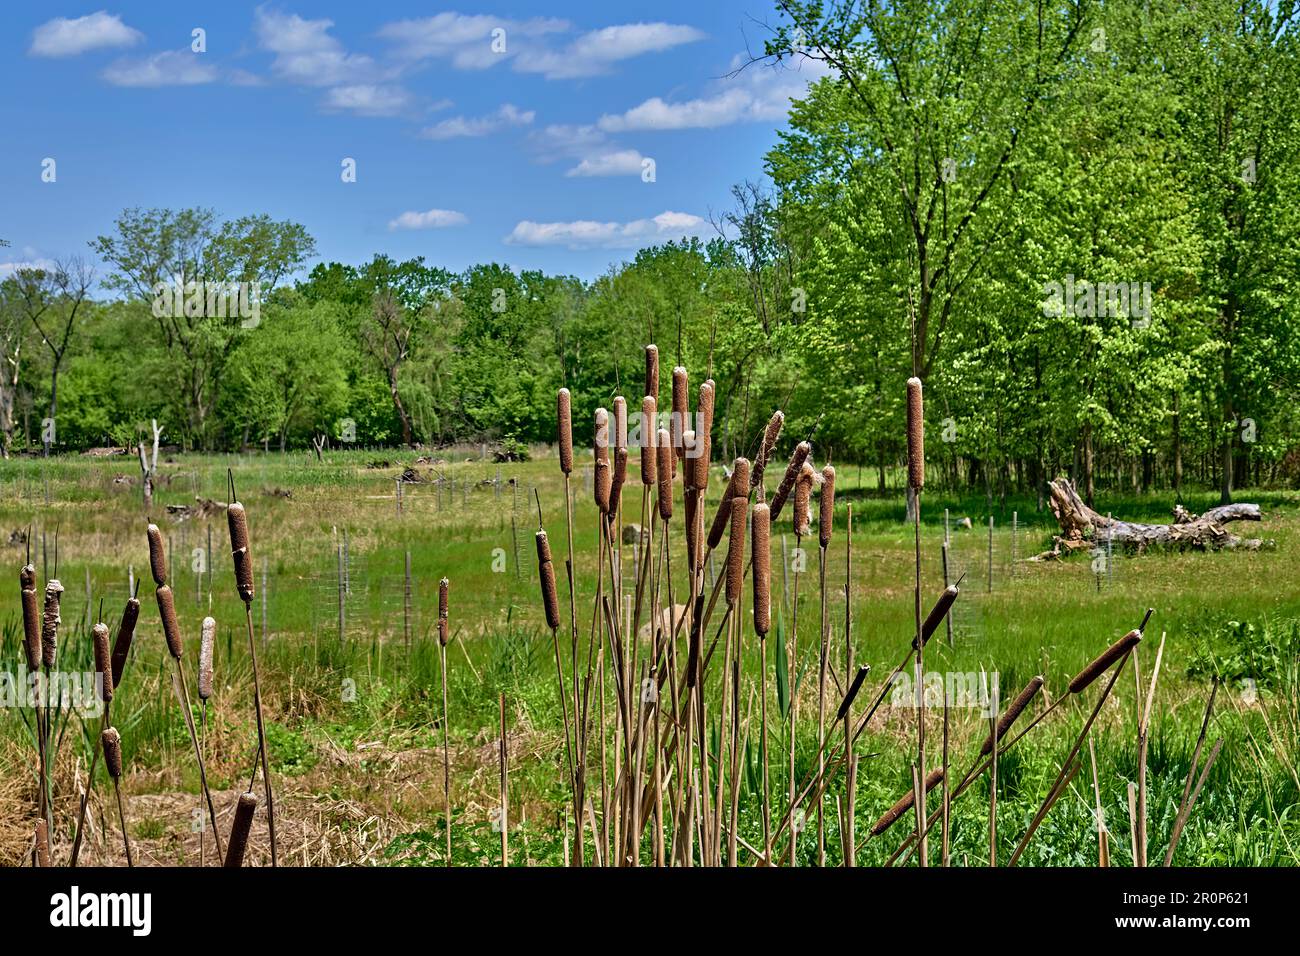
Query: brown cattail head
point(171, 629)
point(681, 409)
point(27, 577)
point(792, 470)
point(826, 507)
point(738, 485)
point(652, 371)
point(937, 614)
point(50, 621)
point(704, 436)
point(768, 445)
point(125, 634)
point(760, 527)
point(239, 828)
point(444, 623)
point(600, 438)
point(602, 484)
point(890, 816)
point(736, 549)
point(620, 422)
point(32, 628)
point(564, 415)
point(690, 448)
point(237, 519)
point(1009, 716)
point(647, 430)
point(111, 741)
point(157, 555)
point(1104, 660)
point(619, 479)
point(915, 435)
point(207, 643)
point(546, 572)
point(103, 660)
point(694, 554)
point(803, 500)
point(42, 844)
point(664, 451)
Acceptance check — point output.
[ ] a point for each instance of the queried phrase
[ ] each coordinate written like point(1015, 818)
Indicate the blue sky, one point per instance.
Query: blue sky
point(532, 155)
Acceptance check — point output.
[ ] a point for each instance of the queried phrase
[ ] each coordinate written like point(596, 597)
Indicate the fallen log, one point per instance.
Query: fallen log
point(1083, 528)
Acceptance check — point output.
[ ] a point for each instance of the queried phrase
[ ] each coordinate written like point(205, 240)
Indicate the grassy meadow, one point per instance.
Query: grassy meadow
point(352, 692)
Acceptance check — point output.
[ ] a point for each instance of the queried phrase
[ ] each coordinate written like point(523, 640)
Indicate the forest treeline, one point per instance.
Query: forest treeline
point(1078, 223)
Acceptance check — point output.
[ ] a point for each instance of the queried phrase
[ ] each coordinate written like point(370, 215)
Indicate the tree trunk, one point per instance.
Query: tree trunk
point(401, 412)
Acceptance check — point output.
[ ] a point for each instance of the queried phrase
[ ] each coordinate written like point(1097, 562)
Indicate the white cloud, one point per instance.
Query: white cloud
point(66, 37)
point(172, 68)
point(432, 219)
point(594, 53)
point(761, 94)
point(465, 40)
point(306, 54)
point(368, 99)
point(460, 126)
point(619, 162)
point(588, 234)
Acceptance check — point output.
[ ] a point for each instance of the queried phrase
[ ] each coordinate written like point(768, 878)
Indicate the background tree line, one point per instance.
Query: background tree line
point(958, 159)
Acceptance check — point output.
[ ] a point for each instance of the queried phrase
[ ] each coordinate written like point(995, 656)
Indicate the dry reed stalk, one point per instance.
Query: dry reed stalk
point(993, 796)
point(944, 806)
point(761, 531)
point(905, 803)
point(111, 742)
point(42, 844)
point(826, 522)
point(504, 820)
point(915, 482)
point(1181, 821)
point(444, 588)
point(791, 476)
point(241, 552)
point(157, 555)
point(1183, 809)
point(239, 829)
point(771, 434)
point(1144, 726)
point(1103, 844)
point(652, 371)
point(647, 436)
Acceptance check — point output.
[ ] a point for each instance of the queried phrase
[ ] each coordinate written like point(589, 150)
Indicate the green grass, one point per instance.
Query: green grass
point(1230, 614)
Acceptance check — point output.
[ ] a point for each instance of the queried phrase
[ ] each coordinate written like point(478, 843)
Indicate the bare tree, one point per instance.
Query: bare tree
point(52, 300)
point(149, 466)
point(12, 325)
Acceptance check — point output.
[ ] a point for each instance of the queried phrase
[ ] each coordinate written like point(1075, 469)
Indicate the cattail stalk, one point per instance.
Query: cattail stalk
point(111, 742)
point(761, 548)
point(826, 514)
point(444, 588)
point(915, 481)
point(42, 844)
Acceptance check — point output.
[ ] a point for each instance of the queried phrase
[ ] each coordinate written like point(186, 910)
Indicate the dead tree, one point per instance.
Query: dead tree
point(1083, 528)
point(149, 466)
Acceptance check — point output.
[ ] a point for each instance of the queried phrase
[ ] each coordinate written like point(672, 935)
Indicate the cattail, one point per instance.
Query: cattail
point(125, 634)
point(564, 414)
point(42, 844)
point(689, 476)
point(602, 484)
point(1009, 716)
point(157, 555)
point(239, 550)
point(1103, 661)
point(444, 587)
point(937, 614)
point(915, 435)
point(619, 479)
point(600, 449)
point(111, 741)
point(760, 526)
point(620, 422)
point(704, 438)
point(207, 640)
point(103, 660)
point(546, 572)
point(50, 622)
point(803, 500)
point(792, 471)
point(648, 414)
point(652, 371)
point(826, 507)
point(736, 549)
point(600, 438)
point(692, 527)
point(858, 678)
point(766, 447)
point(239, 828)
point(888, 818)
point(32, 629)
point(171, 629)
point(738, 486)
point(681, 411)
point(664, 450)
point(27, 577)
